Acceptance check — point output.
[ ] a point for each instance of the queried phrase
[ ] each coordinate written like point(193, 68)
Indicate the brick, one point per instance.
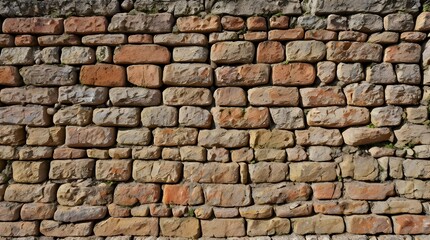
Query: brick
point(244, 75)
point(90, 136)
point(183, 194)
point(134, 97)
point(369, 191)
point(142, 23)
point(9, 76)
point(38, 211)
point(350, 72)
point(230, 97)
point(277, 139)
point(180, 227)
point(35, 25)
point(338, 51)
point(128, 194)
point(322, 96)
point(256, 23)
point(149, 152)
point(341, 207)
point(52, 136)
point(104, 40)
point(68, 153)
point(319, 136)
point(174, 136)
point(52, 228)
point(294, 210)
point(275, 226)
point(188, 74)
point(49, 55)
point(59, 40)
point(280, 193)
point(49, 75)
point(114, 116)
point(352, 36)
point(232, 23)
point(335, 117)
point(265, 172)
point(140, 38)
point(256, 212)
point(363, 135)
point(327, 190)
point(77, 55)
point(6, 40)
point(12, 135)
point(232, 52)
point(305, 51)
point(408, 73)
point(384, 38)
point(127, 226)
point(84, 193)
point(279, 22)
point(223, 138)
point(365, 22)
point(210, 23)
point(71, 169)
point(177, 96)
point(194, 117)
point(29, 94)
point(24, 193)
point(273, 96)
point(103, 75)
point(382, 73)
point(157, 171)
point(286, 35)
point(85, 25)
point(312, 172)
point(211, 172)
point(287, 118)
point(181, 39)
point(141, 54)
point(19, 229)
point(190, 54)
point(411, 224)
point(232, 195)
point(17, 56)
point(223, 228)
point(222, 36)
point(241, 117)
point(192, 153)
point(79, 213)
point(364, 94)
point(318, 224)
point(9, 211)
point(113, 170)
point(402, 95)
point(255, 36)
point(403, 53)
point(270, 52)
point(135, 136)
point(396, 206)
point(144, 75)
point(368, 224)
point(25, 115)
point(73, 115)
point(160, 116)
point(293, 74)
point(320, 35)
point(267, 154)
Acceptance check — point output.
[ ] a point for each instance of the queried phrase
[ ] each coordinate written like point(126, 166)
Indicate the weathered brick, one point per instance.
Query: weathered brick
point(326, 190)
point(35, 25)
point(244, 75)
point(38, 211)
point(9, 76)
point(382, 73)
point(194, 117)
point(319, 136)
point(127, 226)
point(336, 117)
point(384, 38)
point(273, 96)
point(113, 170)
point(230, 96)
point(396, 206)
point(341, 207)
point(232, 195)
point(71, 169)
point(363, 135)
point(49, 75)
point(403, 53)
point(134, 136)
point(279, 22)
point(352, 36)
point(232, 52)
point(178, 96)
point(12, 135)
point(160, 116)
point(338, 51)
point(305, 51)
point(59, 40)
point(320, 35)
point(270, 52)
point(322, 96)
point(103, 75)
point(25, 115)
point(17, 56)
point(286, 35)
point(188, 74)
point(280, 193)
point(288, 118)
point(364, 94)
point(223, 138)
point(73, 115)
point(210, 23)
point(104, 40)
point(84, 193)
point(141, 54)
point(142, 23)
point(293, 74)
point(115, 116)
point(180, 227)
point(52, 136)
point(128, 194)
point(144, 75)
point(232, 23)
point(241, 117)
point(318, 224)
point(35, 153)
point(157, 171)
point(52, 228)
point(77, 55)
point(79, 213)
point(402, 94)
point(85, 25)
point(369, 191)
point(40, 193)
point(181, 39)
point(149, 152)
point(277, 139)
point(265, 172)
point(134, 97)
point(223, 228)
point(68, 153)
point(29, 94)
point(312, 172)
point(19, 229)
point(190, 54)
point(211, 172)
point(9, 211)
point(183, 194)
point(90, 136)
point(274, 226)
point(411, 224)
point(368, 224)
point(6, 40)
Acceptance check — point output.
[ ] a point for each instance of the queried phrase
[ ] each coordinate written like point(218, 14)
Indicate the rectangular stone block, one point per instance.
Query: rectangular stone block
point(134, 97)
point(19, 229)
point(49, 75)
point(79, 213)
point(35, 25)
point(231, 195)
point(113, 170)
point(242, 118)
point(116, 117)
point(175, 136)
point(12, 135)
point(90, 136)
point(71, 169)
point(85, 25)
point(223, 228)
point(17, 56)
point(52, 136)
point(129, 194)
point(157, 171)
point(141, 54)
point(127, 226)
point(30, 172)
point(142, 23)
point(52, 228)
point(280, 193)
point(246, 75)
point(180, 96)
point(211, 172)
point(180, 227)
point(188, 75)
point(29, 94)
point(38, 211)
point(102, 74)
point(339, 51)
point(41, 193)
point(25, 115)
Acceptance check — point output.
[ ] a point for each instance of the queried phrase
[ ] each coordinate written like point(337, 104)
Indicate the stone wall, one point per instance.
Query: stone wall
point(265, 119)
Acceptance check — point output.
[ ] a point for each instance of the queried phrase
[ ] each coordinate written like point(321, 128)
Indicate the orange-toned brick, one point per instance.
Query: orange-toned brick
point(6, 40)
point(293, 74)
point(9, 76)
point(327, 190)
point(270, 52)
point(368, 224)
point(25, 41)
point(285, 35)
point(187, 194)
point(256, 23)
point(36, 25)
point(255, 36)
point(85, 25)
point(144, 75)
point(279, 22)
point(210, 23)
point(135, 54)
point(140, 38)
point(103, 75)
point(232, 23)
point(411, 224)
point(369, 191)
point(321, 35)
point(59, 40)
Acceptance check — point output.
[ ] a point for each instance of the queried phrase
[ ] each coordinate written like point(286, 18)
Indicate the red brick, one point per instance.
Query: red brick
point(210, 23)
point(270, 52)
point(293, 74)
point(322, 96)
point(285, 35)
point(85, 25)
point(140, 38)
point(59, 40)
point(128, 194)
point(255, 36)
point(9, 76)
point(36, 25)
point(369, 191)
point(327, 190)
point(403, 53)
point(135, 54)
point(411, 224)
point(279, 22)
point(103, 75)
point(256, 24)
point(25, 40)
point(244, 75)
point(230, 96)
point(144, 75)
point(368, 224)
point(235, 117)
point(186, 194)
point(232, 23)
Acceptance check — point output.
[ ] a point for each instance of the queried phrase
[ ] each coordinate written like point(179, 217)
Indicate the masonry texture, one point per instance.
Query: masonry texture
point(265, 119)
